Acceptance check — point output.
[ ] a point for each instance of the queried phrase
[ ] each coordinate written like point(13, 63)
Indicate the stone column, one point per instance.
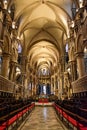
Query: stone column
point(34, 81)
point(62, 63)
point(3, 18)
point(80, 64)
point(35, 85)
point(60, 87)
point(5, 65)
point(12, 71)
point(62, 69)
point(73, 68)
point(32, 86)
point(27, 74)
point(22, 84)
point(54, 85)
point(59, 72)
point(26, 86)
point(24, 65)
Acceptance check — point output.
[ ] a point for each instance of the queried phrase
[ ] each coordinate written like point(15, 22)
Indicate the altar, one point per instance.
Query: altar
point(43, 98)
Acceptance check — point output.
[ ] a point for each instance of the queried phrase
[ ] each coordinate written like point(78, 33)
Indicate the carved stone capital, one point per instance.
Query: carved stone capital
point(6, 55)
point(13, 63)
point(79, 54)
point(72, 61)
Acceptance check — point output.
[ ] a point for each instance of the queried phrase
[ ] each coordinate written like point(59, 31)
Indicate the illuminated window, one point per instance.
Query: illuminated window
point(81, 3)
point(44, 89)
point(18, 71)
point(19, 48)
point(66, 47)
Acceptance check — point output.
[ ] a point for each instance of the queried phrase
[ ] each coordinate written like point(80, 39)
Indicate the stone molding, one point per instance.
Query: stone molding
point(80, 85)
point(6, 85)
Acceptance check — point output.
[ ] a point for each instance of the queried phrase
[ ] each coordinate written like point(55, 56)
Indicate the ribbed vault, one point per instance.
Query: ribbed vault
point(42, 30)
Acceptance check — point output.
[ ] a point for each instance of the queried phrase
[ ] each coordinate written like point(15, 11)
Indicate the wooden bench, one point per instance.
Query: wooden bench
point(20, 112)
point(66, 114)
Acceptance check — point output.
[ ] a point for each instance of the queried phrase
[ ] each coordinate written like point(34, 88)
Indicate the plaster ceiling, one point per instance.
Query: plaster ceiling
point(42, 26)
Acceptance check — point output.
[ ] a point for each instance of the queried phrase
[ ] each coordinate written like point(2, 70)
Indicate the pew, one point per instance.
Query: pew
point(77, 121)
point(14, 116)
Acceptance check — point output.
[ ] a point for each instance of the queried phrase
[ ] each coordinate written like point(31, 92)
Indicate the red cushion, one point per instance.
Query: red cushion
point(70, 119)
point(2, 127)
point(14, 118)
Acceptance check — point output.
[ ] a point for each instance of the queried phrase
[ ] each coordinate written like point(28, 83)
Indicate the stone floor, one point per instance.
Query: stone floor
point(42, 118)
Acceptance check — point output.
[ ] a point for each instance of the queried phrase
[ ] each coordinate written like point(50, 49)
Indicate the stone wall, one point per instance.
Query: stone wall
point(80, 85)
point(6, 85)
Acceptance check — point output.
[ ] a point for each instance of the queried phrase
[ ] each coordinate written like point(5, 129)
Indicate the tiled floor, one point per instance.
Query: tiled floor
point(42, 118)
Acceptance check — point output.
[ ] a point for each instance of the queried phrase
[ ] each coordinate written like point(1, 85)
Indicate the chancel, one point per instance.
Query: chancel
point(43, 64)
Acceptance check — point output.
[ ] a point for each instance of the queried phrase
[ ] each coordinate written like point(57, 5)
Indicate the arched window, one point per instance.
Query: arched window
point(19, 48)
point(18, 71)
point(66, 51)
point(73, 9)
point(66, 48)
point(19, 53)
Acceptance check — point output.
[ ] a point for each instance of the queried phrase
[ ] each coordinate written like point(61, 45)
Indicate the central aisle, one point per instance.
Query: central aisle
point(42, 118)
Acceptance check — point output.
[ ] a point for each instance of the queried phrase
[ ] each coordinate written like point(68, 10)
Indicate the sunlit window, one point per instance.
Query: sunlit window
point(0, 59)
point(44, 89)
point(44, 71)
point(66, 47)
point(81, 3)
point(85, 52)
point(18, 71)
point(85, 58)
point(19, 48)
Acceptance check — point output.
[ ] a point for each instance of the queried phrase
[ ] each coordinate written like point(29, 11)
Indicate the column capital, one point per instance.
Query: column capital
point(6, 54)
point(79, 54)
point(13, 63)
point(72, 61)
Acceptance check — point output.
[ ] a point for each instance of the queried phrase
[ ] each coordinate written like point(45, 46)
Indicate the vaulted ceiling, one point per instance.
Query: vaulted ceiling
point(43, 29)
